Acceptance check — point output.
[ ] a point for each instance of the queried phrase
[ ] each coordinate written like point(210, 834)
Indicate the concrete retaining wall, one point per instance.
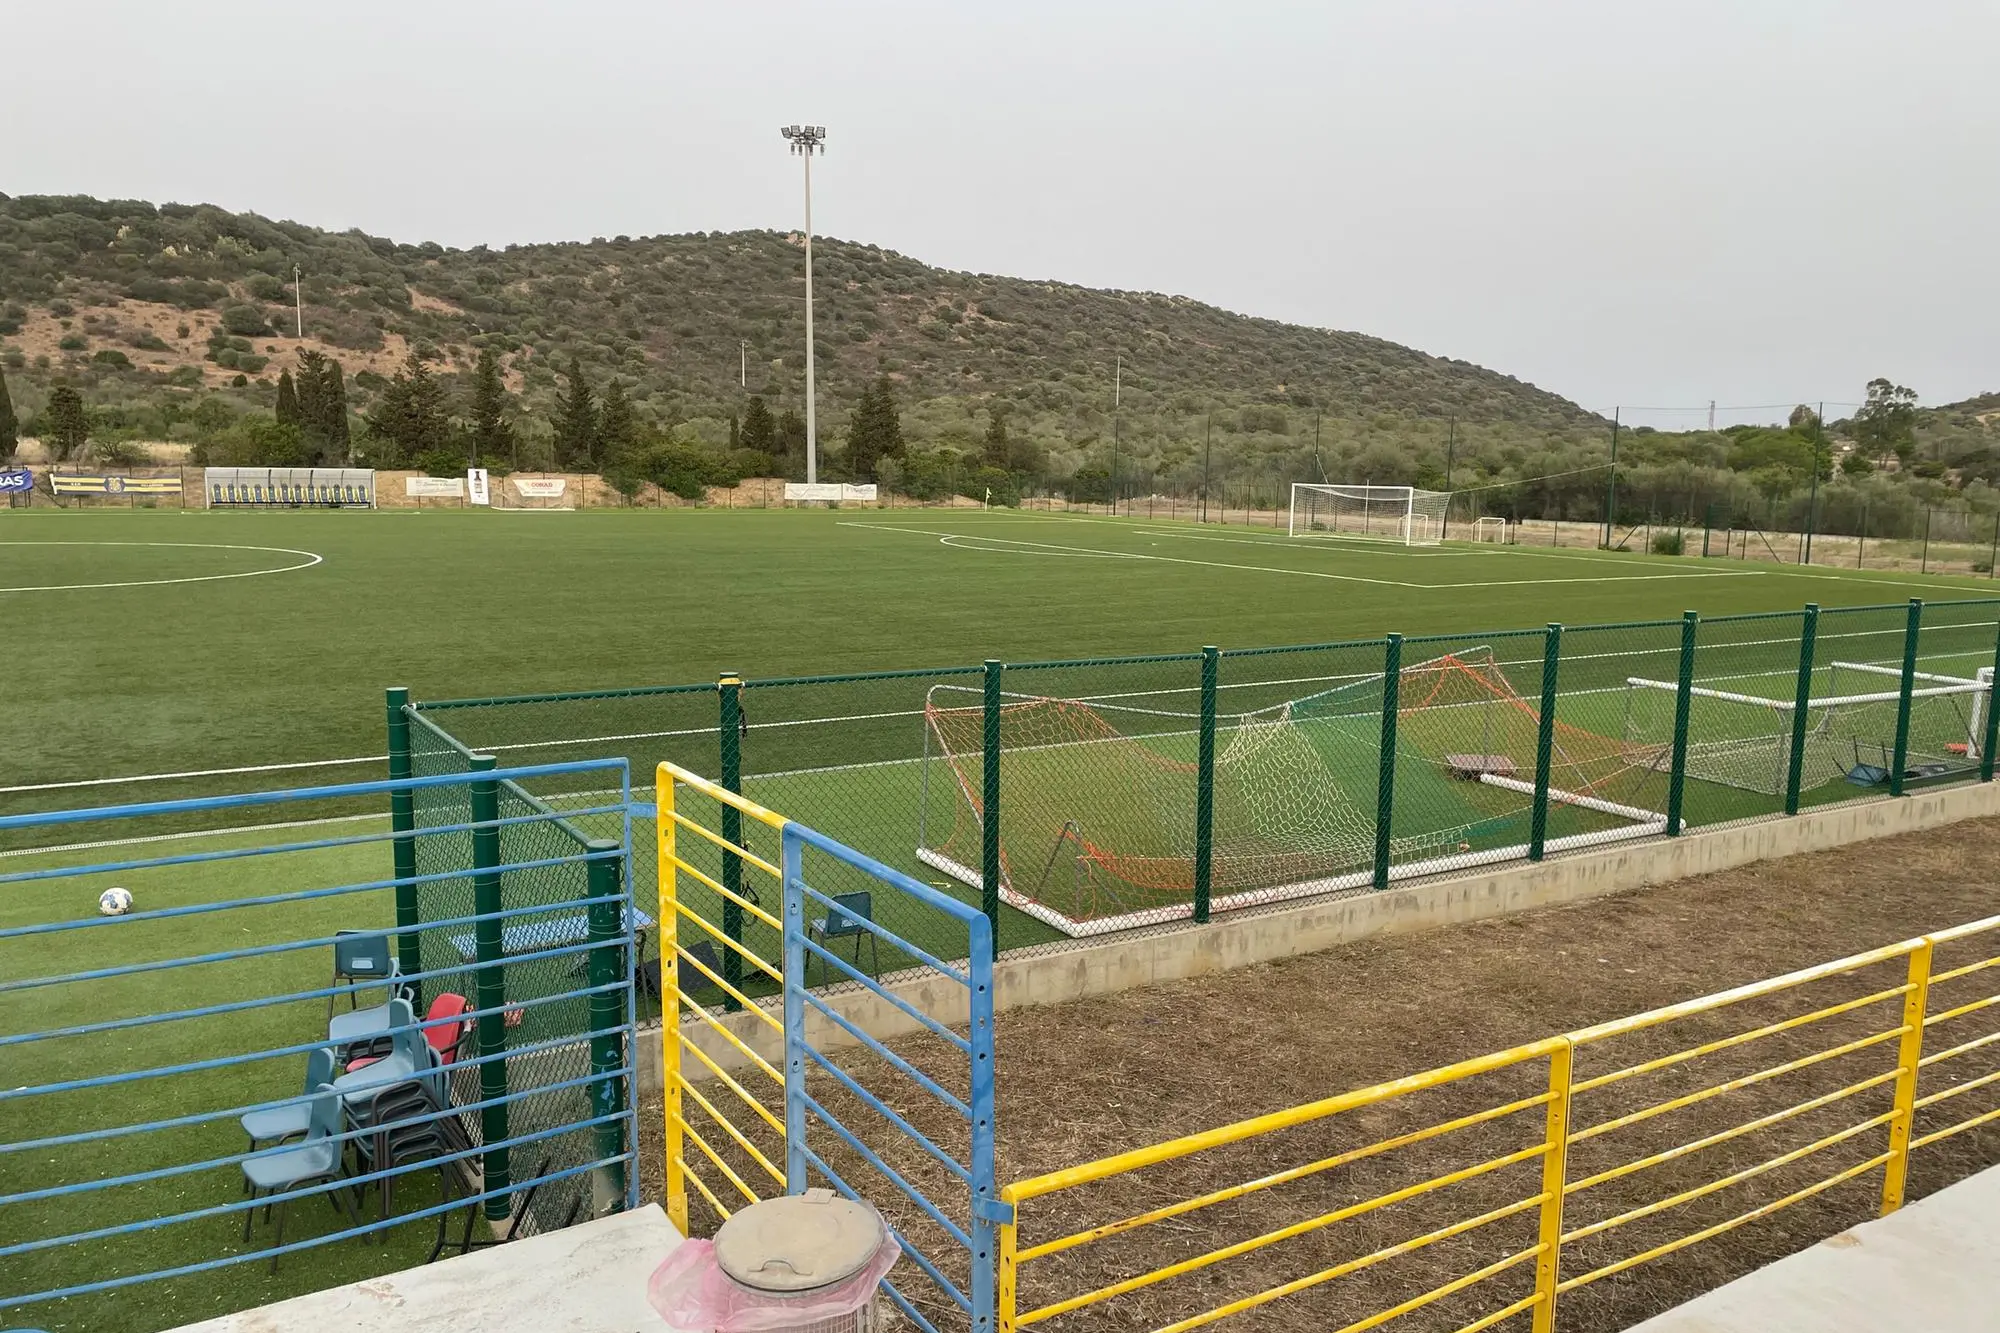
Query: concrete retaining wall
point(1238, 941)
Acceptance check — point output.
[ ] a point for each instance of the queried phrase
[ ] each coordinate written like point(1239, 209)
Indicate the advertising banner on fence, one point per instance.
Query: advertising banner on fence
point(828, 490)
point(476, 488)
point(540, 488)
point(434, 487)
point(16, 481)
point(96, 484)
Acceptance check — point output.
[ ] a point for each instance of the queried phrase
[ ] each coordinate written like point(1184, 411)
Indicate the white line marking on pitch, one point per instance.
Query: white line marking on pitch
point(311, 559)
point(954, 538)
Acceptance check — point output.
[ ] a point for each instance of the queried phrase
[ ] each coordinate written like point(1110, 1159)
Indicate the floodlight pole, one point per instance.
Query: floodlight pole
point(1611, 489)
point(1117, 392)
point(807, 140)
point(298, 301)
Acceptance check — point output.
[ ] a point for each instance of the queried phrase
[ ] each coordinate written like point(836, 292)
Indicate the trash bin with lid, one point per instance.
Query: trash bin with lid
point(807, 1263)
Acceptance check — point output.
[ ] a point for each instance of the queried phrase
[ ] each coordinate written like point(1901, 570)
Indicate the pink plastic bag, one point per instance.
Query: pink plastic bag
point(691, 1292)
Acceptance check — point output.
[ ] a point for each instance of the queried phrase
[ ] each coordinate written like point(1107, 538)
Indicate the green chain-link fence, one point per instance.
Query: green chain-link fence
point(542, 863)
point(1074, 799)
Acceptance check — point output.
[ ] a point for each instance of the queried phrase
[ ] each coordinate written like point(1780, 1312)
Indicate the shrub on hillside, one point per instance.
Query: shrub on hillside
point(1669, 543)
point(73, 342)
point(245, 320)
point(111, 356)
point(441, 463)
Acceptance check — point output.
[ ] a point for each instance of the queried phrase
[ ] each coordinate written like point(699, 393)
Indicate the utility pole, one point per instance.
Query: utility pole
point(1812, 500)
point(1117, 396)
point(1611, 491)
point(807, 140)
point(1450, 451)
point(1711, 416)
point(1207, 443)
point(743, 363)
point(1317, 414)
point(298, 301)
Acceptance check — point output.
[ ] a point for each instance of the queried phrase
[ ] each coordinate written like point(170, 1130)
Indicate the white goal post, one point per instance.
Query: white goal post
point(1745, 740)
point(1489, 528)
point(1403, 514)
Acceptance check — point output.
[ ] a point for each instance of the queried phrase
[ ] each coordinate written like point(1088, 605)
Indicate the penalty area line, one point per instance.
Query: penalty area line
point(955, 540)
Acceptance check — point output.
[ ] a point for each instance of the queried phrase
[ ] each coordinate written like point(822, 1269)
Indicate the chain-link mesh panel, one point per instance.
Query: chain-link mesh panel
point(1850, 719)
point(852, 757)
point(1467, 733)
point(1297, 771)
point(1612, 747)
point(1742, 690)
point(449, 853)
point(1098, 768)
point(543, 890)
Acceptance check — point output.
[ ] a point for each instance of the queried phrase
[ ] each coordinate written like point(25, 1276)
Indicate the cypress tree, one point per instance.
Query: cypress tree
point(10, 425)
point(996, 436)
point(759, 431)
point(617, 431)
point(492, 435)
point(876, 431)
point(287, 410)
point(320, 394)
point(409, 417)
point(576, 420)
point(790, 444)
point(65, 428)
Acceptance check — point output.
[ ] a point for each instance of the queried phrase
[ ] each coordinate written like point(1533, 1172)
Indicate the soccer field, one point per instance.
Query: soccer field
point(147, 642)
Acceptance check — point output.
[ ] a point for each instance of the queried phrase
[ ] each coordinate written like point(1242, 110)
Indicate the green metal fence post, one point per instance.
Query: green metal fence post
point(1545, 741)
point(1204, 786)
point(989, 805)
point(1683, 701)
point(1911, 629)
point(403, 847)
point(1801, 706)
point(490, 982)
point(729, 734)
point(608, 966)
point(1991, 738)
point(1385, 778)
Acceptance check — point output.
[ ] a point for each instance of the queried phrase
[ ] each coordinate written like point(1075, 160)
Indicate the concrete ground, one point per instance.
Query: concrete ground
point(585, 1279)
point(1933, 1265)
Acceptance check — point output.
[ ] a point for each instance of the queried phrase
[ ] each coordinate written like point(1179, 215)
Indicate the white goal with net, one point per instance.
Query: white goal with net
point(1403, 514)
point(1489, 528)
point(1744, 740)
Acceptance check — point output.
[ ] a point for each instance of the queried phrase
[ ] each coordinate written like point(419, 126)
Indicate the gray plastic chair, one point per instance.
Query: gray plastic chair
point(277, 1123)
point(317, 1158)
point(845, 918)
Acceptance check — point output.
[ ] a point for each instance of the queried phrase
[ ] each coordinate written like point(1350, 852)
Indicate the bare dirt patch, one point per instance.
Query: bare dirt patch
point(1083, 1080)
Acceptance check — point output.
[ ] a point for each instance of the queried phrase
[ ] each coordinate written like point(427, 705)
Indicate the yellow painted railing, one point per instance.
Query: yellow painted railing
point(1828, 1061)
point(691, 1031)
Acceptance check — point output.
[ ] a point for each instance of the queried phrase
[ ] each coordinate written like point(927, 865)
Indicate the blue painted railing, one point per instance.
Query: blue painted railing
point(108, 1059)
point(959, 1221)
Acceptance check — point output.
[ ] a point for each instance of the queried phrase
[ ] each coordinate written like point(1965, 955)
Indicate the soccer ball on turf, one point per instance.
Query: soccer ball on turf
point(114, 902)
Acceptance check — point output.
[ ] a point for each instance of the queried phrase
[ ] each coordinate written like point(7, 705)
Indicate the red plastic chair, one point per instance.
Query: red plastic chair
point(447, 1040)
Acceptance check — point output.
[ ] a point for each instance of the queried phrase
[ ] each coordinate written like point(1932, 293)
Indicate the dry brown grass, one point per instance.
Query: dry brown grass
point(1084, 1080)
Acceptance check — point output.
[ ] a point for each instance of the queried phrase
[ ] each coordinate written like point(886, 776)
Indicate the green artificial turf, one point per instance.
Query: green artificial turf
point(291, 666)
point(208, 671)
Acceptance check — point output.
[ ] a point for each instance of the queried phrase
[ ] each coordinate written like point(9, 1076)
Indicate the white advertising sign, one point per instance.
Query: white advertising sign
point(828, 490)
point(434, 487)
point(476, 488)
point(540, 488)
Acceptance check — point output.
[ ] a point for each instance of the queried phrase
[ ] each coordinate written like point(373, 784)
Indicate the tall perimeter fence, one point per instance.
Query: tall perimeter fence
point(1071, 800)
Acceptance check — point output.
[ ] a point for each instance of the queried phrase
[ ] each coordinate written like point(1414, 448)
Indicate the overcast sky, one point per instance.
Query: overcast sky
point(1652, 205)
